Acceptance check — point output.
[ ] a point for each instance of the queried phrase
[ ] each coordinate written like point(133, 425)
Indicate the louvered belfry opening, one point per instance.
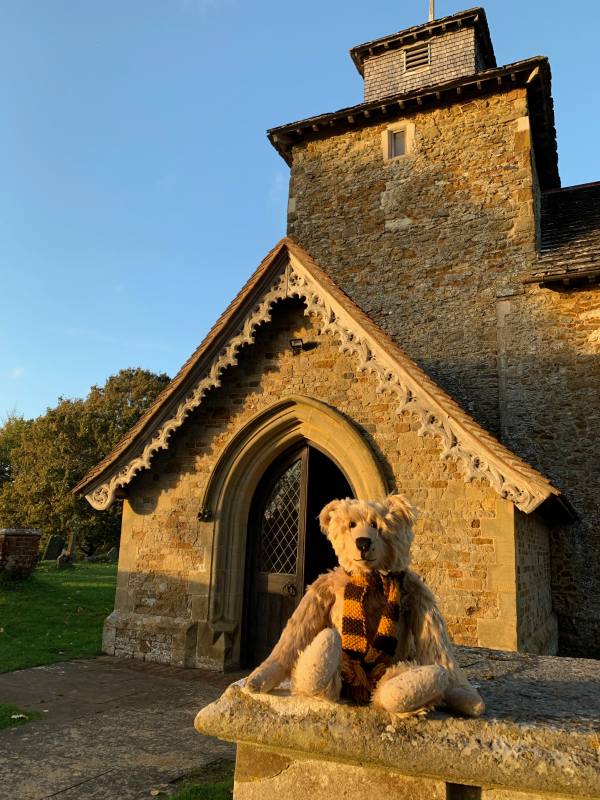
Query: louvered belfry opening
point(285, 548)
point(418, 56)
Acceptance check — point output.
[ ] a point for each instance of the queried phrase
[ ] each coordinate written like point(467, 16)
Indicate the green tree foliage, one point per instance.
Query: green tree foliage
point(42, 459)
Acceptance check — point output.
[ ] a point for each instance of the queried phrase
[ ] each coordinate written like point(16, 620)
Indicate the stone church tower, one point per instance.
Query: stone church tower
point(464, 248)
point(430, 325)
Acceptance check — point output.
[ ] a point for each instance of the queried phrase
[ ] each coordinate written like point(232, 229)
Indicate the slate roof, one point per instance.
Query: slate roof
point(570, 236)
point(226, 326)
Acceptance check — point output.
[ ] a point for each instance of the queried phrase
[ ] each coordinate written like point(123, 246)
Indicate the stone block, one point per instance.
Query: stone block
point(262, 774)
point(534, 741)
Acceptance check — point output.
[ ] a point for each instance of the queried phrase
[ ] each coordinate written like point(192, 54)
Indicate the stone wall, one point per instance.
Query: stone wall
point(424, 243)
point(435, 246)
point(537, 626)
point(165, 565)
point(19, 550)
point(452, 56)
point(550, 404)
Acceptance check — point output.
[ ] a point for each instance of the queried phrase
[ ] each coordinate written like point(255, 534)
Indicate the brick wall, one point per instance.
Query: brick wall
point(165, 565)
point(453, 55)
point(18, 550)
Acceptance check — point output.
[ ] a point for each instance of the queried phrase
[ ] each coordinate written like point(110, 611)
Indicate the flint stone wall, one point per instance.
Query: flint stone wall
point(465, 534)
point(434, 246)
point(538, 739)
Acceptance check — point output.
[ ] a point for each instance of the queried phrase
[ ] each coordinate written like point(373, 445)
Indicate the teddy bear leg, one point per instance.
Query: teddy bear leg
point(405, 689)
point(464, 699)
point(317, 671)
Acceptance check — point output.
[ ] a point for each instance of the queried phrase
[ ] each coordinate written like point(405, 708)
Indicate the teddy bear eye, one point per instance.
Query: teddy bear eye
point(352, 524)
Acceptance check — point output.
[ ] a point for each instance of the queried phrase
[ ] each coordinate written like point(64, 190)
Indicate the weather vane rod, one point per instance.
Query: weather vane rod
point(431, 10)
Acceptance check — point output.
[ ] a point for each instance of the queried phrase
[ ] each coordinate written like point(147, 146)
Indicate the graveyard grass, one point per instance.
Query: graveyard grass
point(212, 782)
point(11, 715)
point(56, 615)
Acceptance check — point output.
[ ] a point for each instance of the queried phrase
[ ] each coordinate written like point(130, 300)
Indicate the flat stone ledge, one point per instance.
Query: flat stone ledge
point(540, 733)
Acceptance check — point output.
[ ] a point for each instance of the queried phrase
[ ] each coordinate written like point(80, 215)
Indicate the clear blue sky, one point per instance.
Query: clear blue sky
point(138, 189)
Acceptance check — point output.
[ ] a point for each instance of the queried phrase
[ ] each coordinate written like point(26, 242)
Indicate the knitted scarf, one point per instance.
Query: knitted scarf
point(364, 662)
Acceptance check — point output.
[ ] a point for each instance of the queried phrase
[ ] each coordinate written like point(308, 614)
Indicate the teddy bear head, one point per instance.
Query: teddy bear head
point(370, 535)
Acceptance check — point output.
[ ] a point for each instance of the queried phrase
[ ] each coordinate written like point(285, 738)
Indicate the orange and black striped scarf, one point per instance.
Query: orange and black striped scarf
point(364, 662)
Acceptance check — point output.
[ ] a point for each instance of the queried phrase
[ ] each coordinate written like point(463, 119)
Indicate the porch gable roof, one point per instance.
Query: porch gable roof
point(289, 271)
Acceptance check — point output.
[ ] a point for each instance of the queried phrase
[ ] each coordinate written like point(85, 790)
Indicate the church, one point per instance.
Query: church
point(430, 325)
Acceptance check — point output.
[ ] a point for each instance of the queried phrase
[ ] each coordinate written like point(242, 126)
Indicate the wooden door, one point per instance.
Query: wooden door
point(283, 524)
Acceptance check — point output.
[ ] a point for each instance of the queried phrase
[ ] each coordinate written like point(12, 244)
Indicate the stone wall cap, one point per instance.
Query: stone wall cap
point(540, 732)
point(21, 531)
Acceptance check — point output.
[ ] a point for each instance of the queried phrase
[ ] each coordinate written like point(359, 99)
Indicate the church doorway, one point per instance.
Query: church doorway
point(286, 550)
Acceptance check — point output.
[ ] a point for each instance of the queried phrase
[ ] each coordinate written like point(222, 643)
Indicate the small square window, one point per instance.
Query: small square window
point(397, 140)
point(397, 143)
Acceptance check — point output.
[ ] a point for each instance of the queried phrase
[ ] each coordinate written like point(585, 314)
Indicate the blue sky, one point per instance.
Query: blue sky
point(138, 189)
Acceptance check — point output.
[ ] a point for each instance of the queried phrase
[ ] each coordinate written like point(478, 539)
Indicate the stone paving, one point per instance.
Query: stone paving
point(110, 729)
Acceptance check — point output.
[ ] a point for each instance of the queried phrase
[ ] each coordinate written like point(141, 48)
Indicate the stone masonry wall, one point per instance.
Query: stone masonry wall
point(550, 404)
point(166, 552)
point(537, 624)
point(424, 243)
point(452, 55)
point(435, 246)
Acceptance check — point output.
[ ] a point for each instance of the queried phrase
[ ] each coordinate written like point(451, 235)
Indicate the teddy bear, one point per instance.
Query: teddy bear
point(369, 631)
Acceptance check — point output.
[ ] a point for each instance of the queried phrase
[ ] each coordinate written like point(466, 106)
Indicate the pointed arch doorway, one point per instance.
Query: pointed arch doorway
point(286, 549)
point(236, 483)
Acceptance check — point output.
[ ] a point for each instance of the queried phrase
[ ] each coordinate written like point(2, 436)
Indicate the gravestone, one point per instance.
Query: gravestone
point(54, 547)
point(65, 559)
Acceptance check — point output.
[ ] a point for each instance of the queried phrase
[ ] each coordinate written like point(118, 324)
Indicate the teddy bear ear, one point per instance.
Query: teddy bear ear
point(327, 513)
point(399, 505)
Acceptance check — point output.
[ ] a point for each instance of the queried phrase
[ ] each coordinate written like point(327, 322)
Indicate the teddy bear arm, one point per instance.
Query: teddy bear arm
point(310, 618)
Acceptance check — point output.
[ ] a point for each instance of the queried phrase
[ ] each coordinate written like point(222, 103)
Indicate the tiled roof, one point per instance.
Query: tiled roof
point(570, 241)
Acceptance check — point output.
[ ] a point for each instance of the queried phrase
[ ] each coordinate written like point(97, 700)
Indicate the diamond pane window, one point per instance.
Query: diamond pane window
point(279, 525)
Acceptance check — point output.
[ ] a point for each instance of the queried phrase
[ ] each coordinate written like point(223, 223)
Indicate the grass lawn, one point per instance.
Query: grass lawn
point(213, 782)
point(11, 715)
point(56, 615)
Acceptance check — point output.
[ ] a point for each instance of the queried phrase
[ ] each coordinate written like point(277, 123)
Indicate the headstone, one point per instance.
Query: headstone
point(64, 560)
point(112, 556)
point(54, 547)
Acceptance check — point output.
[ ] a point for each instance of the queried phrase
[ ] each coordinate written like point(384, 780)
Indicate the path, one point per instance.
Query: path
point(113, 729)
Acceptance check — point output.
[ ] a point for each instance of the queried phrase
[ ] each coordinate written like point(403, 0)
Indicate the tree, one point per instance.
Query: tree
point(42, 459)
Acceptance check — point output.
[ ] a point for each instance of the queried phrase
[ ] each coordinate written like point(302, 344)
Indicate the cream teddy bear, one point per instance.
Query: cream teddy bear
point(370, 630)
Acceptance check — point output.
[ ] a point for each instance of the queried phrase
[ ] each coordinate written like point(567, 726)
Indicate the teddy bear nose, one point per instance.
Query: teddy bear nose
point(364, 544)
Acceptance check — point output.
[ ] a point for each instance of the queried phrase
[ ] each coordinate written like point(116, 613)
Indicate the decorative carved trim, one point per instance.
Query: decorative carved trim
point(295, 281)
